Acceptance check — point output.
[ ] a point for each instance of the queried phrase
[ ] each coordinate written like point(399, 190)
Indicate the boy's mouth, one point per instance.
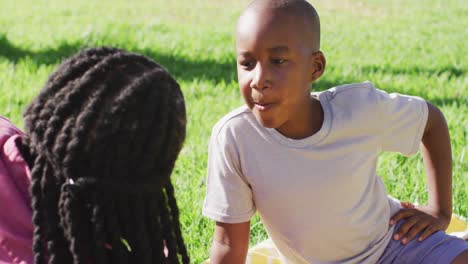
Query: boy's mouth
point(262, 107)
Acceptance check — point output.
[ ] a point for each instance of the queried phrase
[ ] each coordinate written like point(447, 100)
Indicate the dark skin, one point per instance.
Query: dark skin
point(436, 150)
point(437, 156)
point(277, 60)
point(275, 69)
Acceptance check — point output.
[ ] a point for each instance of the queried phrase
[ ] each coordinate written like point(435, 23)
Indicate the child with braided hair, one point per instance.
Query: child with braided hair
point(100, 143)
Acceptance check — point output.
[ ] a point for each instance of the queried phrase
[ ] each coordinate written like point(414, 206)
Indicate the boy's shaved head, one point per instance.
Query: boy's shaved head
point(308, 22)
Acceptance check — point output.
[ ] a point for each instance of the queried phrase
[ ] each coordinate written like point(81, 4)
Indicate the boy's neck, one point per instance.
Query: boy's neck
point(310, 122)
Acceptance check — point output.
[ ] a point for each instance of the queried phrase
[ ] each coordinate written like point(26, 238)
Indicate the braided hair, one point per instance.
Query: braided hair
point(101, 139)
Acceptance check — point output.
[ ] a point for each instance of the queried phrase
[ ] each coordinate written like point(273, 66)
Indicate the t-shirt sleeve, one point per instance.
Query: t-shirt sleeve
point(228, 195)
point(402, 120)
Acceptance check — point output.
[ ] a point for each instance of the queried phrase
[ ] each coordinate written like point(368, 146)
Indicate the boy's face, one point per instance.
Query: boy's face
point(275, 66)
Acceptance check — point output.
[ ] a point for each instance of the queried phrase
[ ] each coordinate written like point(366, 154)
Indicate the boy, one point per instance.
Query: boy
point(307, 162)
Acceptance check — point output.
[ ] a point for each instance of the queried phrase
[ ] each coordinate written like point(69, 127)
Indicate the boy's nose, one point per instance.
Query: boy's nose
point(260, 78)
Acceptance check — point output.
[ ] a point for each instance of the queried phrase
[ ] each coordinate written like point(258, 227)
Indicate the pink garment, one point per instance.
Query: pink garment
point(16, 229)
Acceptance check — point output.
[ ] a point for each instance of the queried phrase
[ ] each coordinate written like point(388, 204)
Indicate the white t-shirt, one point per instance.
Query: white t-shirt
point(319, 198)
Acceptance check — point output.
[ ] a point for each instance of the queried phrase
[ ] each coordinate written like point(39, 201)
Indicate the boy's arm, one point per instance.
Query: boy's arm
point(230, 243)
point(437, 157)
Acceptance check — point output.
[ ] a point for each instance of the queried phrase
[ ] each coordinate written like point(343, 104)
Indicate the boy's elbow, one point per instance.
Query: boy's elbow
point(230, 243)
point(226, 254)
point(435, 120)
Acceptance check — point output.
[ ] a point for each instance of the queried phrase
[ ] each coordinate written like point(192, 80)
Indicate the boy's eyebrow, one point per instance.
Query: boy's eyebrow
point(279, 49)
point(244, 53)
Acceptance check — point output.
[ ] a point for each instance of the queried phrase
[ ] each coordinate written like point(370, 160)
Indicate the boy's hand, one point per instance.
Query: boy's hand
point(418, 219)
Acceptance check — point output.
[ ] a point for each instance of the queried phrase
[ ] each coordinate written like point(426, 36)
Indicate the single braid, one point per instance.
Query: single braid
point(71, 220)
point(56, 243)
point(141, 243)
point(168, 232)
point(175, 222)
point(36, 204)
point(119, 253)
point(98, 219)
point(156, 236)
point(125, 226)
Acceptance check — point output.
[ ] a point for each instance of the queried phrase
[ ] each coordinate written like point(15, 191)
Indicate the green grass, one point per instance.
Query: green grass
point(413, 47)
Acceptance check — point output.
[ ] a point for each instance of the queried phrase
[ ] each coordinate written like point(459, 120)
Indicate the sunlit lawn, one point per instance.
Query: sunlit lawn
point(413, 47)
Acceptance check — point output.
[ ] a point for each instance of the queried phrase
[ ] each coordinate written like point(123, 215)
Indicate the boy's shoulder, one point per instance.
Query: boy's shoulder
point(358, 89)
point(234, 120)
point(353, 95)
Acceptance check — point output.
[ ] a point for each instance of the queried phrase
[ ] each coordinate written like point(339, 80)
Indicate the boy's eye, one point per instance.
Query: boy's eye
point(278, 61)
point(247, 64)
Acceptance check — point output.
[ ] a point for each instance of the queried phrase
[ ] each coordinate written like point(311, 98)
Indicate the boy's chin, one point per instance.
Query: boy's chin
point(268, 123)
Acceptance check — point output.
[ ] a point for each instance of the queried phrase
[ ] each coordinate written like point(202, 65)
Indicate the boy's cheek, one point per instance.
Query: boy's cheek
point(243, 79)
point(247, 97)
point(245, 88)
point(242, 75)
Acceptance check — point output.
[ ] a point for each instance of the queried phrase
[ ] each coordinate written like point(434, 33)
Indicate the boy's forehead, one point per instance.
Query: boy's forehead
point(268, 17)
point(275, 33)
point(300, 9)
point(264, 24)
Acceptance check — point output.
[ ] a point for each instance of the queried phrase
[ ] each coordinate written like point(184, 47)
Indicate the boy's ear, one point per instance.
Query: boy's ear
point(318, 65)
